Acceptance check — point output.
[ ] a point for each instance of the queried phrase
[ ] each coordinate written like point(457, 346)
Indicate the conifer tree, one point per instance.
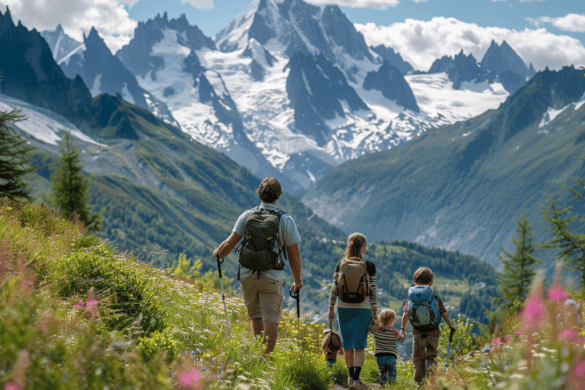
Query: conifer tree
point(71, 188)
point(516, 278)
point(13, 155)
point(570, 242)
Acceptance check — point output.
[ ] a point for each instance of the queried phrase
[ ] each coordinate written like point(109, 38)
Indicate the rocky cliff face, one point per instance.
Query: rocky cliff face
point(30, 73)
point(391, 83)
point(394, 58)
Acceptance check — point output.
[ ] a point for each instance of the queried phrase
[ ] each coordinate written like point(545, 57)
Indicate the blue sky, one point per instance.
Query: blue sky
point(511, 14)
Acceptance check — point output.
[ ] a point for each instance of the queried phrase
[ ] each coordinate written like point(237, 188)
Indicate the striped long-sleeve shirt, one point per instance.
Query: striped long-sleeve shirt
point(386, 338)
point(371, 303)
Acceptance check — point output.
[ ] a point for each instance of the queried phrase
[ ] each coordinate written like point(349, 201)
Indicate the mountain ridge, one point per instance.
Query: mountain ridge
point(463, 186)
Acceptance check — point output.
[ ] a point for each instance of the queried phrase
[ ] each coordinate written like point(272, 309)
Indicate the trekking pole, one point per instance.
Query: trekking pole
point(449, 348)
point(219, 262)
point(296, 295)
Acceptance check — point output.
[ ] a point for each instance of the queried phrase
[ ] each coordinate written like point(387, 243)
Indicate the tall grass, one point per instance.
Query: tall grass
point(76, 314)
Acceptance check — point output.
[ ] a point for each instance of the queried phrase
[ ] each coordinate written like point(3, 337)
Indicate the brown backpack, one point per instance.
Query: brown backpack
point(353, 285)
point(331, 343)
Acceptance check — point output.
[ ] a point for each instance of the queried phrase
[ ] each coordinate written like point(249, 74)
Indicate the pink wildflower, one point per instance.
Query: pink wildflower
point(91, 303)
point(188, 378)
point(580, 369)
point(10, 386)
point(558, 294)
point(508, 337)
point(533, 313)
point(572, 335)
point(518, 333)
point(496, 341)
point(26, 284)
point(79, 305)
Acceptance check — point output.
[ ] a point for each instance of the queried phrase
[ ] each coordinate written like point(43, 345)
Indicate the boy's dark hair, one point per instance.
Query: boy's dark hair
point(423, 276)
point(269, 190)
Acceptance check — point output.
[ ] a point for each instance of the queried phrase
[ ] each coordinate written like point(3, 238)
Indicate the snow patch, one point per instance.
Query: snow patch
point(68, 56)
point(580, 103)
point(97, 85)
point(44, 125)
point(550, 116)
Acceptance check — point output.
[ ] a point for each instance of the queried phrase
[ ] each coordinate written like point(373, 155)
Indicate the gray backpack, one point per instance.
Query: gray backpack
point(259, 250)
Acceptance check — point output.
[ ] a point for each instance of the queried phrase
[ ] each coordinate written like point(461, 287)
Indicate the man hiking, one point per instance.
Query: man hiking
point(270, 236)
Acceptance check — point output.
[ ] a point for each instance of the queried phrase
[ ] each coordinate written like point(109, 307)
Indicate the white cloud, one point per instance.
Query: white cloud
point(421, 43)
point(420, 1)
point(377, 4)
point(201, 4)
point(570, 22)
point(77, 17)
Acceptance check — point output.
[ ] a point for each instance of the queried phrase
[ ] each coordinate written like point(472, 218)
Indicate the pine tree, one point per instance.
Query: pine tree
point(571, 244)
point(14, 151)
point(518, 273)
point(71, 188)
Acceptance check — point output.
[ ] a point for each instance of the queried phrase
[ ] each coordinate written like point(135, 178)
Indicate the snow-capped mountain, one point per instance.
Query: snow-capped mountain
point(288, 89)
point(291, 26)
point(102, 72)
point(164, 55)
point(500, 64)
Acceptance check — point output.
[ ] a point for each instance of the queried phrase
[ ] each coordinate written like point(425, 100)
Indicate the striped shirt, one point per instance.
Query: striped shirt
point(386, 338)
point(372, 303)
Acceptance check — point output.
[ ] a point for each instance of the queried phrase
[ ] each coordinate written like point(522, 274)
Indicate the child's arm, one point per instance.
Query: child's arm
point(399, 336)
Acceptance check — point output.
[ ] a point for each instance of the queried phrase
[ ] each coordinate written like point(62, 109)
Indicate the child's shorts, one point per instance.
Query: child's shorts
point(331, 362)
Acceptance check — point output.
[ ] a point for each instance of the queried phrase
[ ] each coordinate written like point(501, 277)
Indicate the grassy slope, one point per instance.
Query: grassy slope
point(464, 186)
point(74, 314)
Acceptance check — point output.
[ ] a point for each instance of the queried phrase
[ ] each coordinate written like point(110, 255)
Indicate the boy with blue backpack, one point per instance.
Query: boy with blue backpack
point(424, 311)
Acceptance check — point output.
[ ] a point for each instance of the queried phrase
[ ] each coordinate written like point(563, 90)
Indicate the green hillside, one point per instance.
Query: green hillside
point(463, 187)
point(159, 192)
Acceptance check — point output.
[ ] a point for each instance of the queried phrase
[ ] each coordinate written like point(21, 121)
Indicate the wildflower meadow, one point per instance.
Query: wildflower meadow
point(76, 314)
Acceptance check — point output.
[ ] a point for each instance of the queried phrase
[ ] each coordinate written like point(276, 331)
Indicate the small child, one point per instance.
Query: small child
point(425, 342)
point(331, 356)
point(386, 337)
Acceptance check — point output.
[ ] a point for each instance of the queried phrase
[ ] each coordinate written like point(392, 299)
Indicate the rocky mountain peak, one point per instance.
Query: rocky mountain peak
point(394, 57)
point(502, 58)
point(390, 81)
point(6, 19)
point(296, 26)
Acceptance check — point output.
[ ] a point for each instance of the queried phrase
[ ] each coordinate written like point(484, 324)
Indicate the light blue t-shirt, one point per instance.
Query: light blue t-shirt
point(287, 235)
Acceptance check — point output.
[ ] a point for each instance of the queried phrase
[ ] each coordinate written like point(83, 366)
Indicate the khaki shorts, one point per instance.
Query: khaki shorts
point(263, 297)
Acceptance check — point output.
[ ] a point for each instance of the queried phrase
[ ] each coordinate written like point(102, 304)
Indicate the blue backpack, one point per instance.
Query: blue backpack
point(423, 309)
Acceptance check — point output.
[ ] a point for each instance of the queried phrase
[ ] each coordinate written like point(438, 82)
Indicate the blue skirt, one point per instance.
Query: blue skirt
point(353, 327)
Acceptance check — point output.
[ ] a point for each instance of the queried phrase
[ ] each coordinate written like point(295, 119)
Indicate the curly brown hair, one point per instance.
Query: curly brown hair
point(269, 190)
point(387, 316)
point(423, 276)
point(355, 242)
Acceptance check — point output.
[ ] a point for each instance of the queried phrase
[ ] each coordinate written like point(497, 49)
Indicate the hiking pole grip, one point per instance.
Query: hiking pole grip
point(451, 333)
point(219, 263)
